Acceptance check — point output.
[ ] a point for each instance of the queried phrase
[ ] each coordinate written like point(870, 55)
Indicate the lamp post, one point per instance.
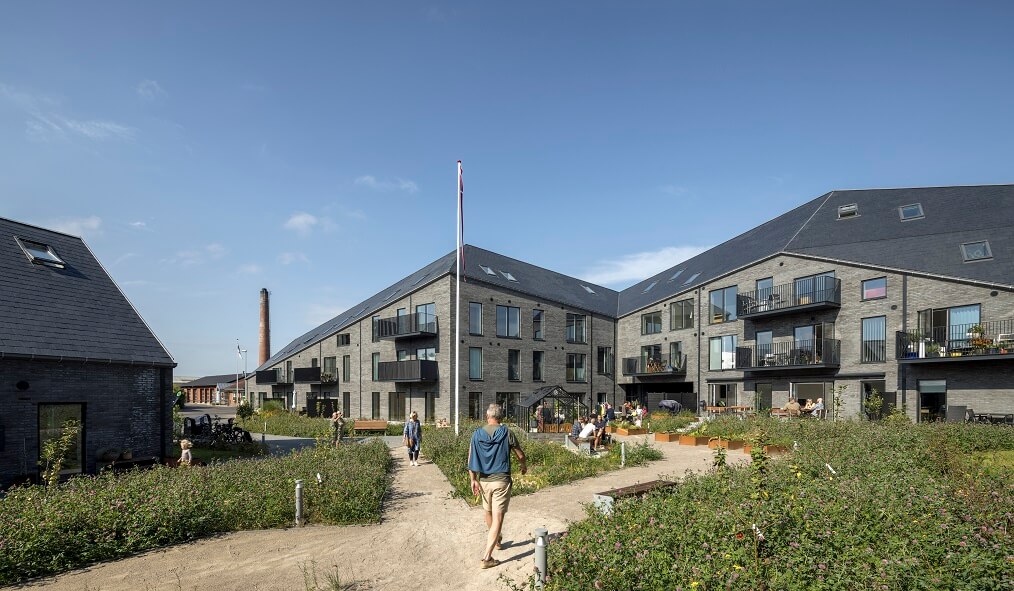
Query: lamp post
point(246, 387)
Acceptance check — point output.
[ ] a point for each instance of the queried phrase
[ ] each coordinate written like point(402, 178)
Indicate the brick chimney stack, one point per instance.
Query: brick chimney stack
point(264, 350)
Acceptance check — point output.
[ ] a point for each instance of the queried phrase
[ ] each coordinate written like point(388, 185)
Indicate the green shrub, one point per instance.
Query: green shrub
point(88, 519)
point(290, 424)
point(244, 411)
point(666, 423)
point(860, 505)
point(548, 463)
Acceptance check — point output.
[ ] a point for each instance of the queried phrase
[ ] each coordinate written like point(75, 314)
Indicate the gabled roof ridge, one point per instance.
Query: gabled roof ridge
point(33, 226)
point(924, 187)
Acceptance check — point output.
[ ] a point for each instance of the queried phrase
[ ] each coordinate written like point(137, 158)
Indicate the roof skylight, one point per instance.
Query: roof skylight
point(691, 280)
point(848, 211)
point(976, 251)
point(588, 289)
point(488, 270)
point(507, 276)
point(910, 212)
point(40, 253)
point(676, 274)
point(420, 278)
point(391, 295)
point(650, 285)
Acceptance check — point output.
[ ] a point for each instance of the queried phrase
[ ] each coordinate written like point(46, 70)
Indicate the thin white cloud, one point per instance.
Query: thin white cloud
point(45, 123)
point(249, 269)
point(189, 258)
point(631, 268)
point(287, 258)
point(139, 225)
point(215, 250)
point(123, 257)
point(301, 222)
point(99, 130)
point(150, 90)
point(85, 227)
point(356, 214)
point(674, 190)
point(397, 184)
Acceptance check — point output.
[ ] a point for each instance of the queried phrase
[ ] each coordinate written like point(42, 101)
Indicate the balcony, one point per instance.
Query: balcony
point(811, 354)
point(984, 341)
point(306, 375)
point(818, 293)
point(272, 376)
point(657, 366)
point(418, 370)
point(405, 326)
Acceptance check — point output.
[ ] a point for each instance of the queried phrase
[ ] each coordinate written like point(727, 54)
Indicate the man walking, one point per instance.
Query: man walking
point(489, 468)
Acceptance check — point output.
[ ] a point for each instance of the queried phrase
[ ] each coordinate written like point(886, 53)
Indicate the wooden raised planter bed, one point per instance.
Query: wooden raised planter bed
point(776, 449)
point(730, 443)
point(694, 440)
point(667, 437)
point(632, 431)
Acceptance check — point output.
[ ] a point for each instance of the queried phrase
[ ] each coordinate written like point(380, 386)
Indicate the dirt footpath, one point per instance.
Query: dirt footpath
point(426, 538)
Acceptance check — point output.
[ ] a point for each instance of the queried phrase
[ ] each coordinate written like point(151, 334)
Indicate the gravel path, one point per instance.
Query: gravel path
point(425, 537)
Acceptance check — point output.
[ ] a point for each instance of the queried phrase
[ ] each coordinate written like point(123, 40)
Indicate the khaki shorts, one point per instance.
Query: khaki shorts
point(496, 495)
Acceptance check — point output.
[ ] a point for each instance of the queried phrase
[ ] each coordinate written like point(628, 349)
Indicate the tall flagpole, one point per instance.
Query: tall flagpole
point(457, 314)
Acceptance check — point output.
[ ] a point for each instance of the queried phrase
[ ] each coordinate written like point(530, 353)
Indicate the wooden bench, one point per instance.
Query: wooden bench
point(581, 446)
point(370, 425)
point(604, 501)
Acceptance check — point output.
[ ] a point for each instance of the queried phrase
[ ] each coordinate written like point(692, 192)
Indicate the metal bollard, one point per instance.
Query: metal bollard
point(541, 537)
point(623, 453)
point(299, 503)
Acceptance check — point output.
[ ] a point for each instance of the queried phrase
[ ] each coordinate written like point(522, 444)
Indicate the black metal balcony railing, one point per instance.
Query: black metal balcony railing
point(306, 375)
point(418, 370)
point(810, 353)
point(406, 325)
point(654, 365)
point(957, 342)
point(272, 376)
point(808, 294)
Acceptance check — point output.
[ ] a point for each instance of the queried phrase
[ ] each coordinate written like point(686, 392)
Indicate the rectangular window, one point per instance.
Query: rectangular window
point(875, 288)
point(722, 353)
point(376, 329)
point(508, 321)
point(537, 324)
point(681, 315)
point(402, 355)
point(53, 419)
point(764, 289)
point(537, 359)
point(288, 372)
point(514, 365)
point(396, 406)
point(765, 351)
point(347, 404)
point(375, 405)
point(651, 323)
point(376, 366)
point(40, 253)
point(976, 251)
point(575, 328)
point(313, 362)
point(874, 335)
point(676, 355)
point(723, 305)
point(475, 409)
point(509, 402)
point(329, 373)
point(605, 361)
point(724, 394)
point(814, 288)
point(475, 363)
point(344, 340)
point(426, 354)
point(346, 368)
point(910, 212)
point(426, 317)
point(430, 408)
point(575, 367)
point(762, 396)
point(475, 318)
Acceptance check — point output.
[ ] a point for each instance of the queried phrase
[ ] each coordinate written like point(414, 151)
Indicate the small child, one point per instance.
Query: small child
point(185, 456)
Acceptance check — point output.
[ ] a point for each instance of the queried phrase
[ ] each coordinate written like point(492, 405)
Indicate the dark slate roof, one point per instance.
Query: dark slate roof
point(211, 381)
point(530, 280)
point(77, 312)
point(540, 394)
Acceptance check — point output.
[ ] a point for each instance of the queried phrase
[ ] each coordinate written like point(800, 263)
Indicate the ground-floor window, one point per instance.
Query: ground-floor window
point(475, 409)
point(724, 394)
point(932, 400)
point(430, 414)
point(53, 418)
point(509, 402)
point(396, 406)
point(762, 396)
point(375, 405)
point(347, 404)
point(873, 390)
point(814, 392)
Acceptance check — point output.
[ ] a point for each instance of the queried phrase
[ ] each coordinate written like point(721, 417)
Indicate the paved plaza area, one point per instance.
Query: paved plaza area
point(425, 538)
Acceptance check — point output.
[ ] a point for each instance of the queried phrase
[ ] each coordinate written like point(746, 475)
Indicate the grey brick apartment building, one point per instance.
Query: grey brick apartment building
point(906, 291)
point(73, 347)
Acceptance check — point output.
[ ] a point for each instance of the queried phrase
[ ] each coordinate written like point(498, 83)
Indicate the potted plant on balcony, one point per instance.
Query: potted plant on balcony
point(328, 378)
point(979, 344)
point(933, 349)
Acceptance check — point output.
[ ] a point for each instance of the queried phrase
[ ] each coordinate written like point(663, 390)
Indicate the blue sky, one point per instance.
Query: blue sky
point(206, 150)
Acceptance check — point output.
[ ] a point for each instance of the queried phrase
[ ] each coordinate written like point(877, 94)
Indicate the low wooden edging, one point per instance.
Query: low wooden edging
point(622, 431)
point(666, 437)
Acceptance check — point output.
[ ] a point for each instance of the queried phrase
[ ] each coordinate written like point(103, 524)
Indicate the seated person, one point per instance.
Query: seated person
point(575, 429)
point(600, 431)
point(818, 408)
point(792, 407)
point(588, 429)
point(808, 407)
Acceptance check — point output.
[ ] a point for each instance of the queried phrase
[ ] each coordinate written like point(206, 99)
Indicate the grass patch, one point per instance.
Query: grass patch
point(548, 463)
point(88, 519)
point(901, 506)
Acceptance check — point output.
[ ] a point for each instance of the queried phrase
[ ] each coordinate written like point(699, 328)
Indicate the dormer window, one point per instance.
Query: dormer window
point(41, 254)
point(848, 211)
point(910, 212)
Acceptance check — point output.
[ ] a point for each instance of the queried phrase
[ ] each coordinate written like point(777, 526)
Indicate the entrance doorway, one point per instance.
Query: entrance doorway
point(932, 400)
